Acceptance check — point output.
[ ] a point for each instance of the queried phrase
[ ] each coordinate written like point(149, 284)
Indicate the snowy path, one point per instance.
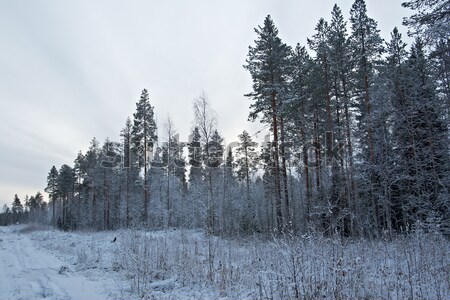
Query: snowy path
point(30, 273)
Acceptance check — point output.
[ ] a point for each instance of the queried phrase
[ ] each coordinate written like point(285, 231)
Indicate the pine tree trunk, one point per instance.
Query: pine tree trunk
point(169, 216)
point(127, 196)
point(368, 117)
point(306, 172)
point(211, 205)
point(63, 210)
point(278, 207)
point(224, 192)
point(94, 207)
point(285, 178)
point(352, 190)
point(371, 151)
point(338, 168)
point(169, 206)
point(104, 201)
point(54, 210)
point(117, 202)
point(329, 133)
point(79, 202)
point(247, 183)
point(146, 166)
point(317, 152)
point(145, 214)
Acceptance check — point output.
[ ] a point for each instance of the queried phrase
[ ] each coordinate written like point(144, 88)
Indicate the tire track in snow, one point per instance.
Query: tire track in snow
point(29, 273)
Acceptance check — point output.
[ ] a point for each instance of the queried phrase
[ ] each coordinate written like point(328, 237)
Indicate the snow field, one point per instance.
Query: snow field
point(29, 272)
point(181, 264)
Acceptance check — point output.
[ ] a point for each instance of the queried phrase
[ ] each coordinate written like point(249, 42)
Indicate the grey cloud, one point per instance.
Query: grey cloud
point(72, 70)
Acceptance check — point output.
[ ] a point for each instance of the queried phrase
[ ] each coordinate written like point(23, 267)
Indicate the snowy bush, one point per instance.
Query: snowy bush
point(31, 228)
point(307, 267)
point(89, 258)
point(191, 264)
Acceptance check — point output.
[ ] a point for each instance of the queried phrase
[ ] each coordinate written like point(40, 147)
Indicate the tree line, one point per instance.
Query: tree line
point(34, 209)
point(358, 143)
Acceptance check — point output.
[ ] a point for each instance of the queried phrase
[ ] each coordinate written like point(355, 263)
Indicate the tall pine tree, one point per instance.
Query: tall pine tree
point(144, 136)
point(268, 64)
point(52, 190)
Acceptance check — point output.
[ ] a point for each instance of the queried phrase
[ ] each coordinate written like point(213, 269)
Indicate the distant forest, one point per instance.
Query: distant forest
point(359, 144)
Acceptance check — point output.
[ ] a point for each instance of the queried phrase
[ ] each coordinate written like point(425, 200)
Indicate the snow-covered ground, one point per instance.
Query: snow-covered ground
point(27, 271)
point(41, 263)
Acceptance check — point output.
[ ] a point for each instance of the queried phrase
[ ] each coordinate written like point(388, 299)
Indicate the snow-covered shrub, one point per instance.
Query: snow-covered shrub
point(89, 258)
point(409, 267)
point(134, 257)
point(167, 264)
point(31, 228)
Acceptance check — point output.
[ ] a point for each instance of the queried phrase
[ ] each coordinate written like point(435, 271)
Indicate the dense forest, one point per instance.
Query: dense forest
point(359, 144)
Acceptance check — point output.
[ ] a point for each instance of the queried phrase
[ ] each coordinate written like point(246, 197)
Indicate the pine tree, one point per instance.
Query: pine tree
point(229, 163)
point(108, 161)
point(16, 209)
point(389, 94)
point(327, 104)
point(268, 64)
point(246, 162)
point(430, 20)
point(128, 166)
point(195, 175)
point(298, 112)
point(230, 195)
point(422, 138)
point(367, 47)
point(143, 138)
point(343, 189)
point(66, 182)
point(266, 159)
point(158, 171)
point(35, 204)
point(79, 169)
point(92, 180)
point(213, 152)
point(319, 43)
point(5, 215)
point(179, 163)
point(52, 190)
point(195, 156)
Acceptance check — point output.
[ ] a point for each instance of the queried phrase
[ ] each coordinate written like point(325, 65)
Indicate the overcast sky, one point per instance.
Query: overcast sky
point(72, 70)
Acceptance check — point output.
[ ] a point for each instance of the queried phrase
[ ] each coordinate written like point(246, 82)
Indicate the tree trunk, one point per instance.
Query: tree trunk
point(285, 178)
point(247, 183)
point(145, 213)
point(54, 210)
point(94, 207)
point(306, 172)
point(368, 117)
point(317, 152)
point(278, 207)
point(169, 216)
point(211, 206)
point(329, 133)
point(127, 198)
point(63, 210)
point(352, 190)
